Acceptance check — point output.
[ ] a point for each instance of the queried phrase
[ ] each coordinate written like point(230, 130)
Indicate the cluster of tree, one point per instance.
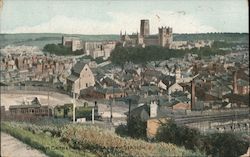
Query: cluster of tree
point(138, 55)
point(60, 50)
point(223, 44)
point(216, 144)
point(135, 128)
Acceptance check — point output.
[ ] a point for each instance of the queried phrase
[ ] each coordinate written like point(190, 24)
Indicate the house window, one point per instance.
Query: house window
point(86, 84)
point(86, 69)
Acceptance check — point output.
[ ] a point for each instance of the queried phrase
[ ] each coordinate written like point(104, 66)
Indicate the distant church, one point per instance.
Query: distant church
point(164, 37)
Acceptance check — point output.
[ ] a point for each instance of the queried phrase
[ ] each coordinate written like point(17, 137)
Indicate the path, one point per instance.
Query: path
point(12, 147)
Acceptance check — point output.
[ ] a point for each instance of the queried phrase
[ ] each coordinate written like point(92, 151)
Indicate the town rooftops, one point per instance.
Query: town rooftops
point(241, 82)
point(109, 90)
point(72, 78)
point(77, 68)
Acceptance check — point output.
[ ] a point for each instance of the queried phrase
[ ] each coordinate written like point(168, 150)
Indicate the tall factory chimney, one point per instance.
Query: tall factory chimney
point(235, 90)
point(193, 95)
point(144, 29)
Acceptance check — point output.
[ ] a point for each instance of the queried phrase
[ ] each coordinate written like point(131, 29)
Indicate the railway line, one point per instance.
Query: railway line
point(226, 116)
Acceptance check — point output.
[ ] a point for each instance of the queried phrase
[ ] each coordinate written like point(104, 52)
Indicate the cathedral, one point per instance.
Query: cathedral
point(164, 37)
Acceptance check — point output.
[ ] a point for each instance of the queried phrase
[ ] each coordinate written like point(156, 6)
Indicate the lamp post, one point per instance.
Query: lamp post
point(129, 116)
point(48, 93)
point(111, 112)
point(74, 117)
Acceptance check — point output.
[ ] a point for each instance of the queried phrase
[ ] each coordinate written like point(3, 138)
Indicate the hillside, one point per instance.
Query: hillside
point(41, 39)
point(87, 140)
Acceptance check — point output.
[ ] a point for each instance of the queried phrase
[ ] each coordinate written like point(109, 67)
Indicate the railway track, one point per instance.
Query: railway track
point(217, 117)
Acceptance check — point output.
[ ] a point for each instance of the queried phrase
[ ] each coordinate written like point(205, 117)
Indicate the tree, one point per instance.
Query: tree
point(217, 144)
point(137, 127)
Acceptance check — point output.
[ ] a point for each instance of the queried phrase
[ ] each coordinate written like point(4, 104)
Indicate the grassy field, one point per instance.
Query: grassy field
point(80, 140)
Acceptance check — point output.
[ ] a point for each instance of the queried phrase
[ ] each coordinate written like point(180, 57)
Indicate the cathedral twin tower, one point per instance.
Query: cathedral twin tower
point(163, 39)
point(165, 34)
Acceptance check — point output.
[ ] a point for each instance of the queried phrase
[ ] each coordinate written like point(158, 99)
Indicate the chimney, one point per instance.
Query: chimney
point(235, 91)
point(193, 95)
point(153, 109)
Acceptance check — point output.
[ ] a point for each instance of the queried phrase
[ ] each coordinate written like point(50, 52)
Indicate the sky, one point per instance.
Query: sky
point(113, 16)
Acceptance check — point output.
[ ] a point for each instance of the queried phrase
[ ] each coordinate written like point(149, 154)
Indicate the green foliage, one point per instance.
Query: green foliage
point(78, 140)
point(222, 144)
point(138, 55)
point(226, 144)
point(122, 130)
point(120, 55)
point(60, 50)
point(52, 147)
point(180, 135)
point(105, 143)
point(223, 44)
point(66, 111)
point(137, 128)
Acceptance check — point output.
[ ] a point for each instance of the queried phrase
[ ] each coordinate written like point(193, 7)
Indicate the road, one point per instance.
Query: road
point(11, 147)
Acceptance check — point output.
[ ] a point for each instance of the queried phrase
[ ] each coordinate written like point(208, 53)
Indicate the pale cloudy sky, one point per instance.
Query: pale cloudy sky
point(111, 16)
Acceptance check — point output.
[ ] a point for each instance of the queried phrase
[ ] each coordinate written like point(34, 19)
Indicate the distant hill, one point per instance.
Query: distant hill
point(227, 37)
point(41, 39)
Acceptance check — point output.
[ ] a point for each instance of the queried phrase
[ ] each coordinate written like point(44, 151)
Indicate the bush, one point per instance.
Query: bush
point(75, 139)
point(122, 130)
point(121, 55)
point(60, 50)
point(227, 144)
point(222, 144)
point(50, 146)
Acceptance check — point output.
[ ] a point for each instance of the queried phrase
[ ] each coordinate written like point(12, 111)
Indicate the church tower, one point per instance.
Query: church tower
point(165, 36)
point(144, 29)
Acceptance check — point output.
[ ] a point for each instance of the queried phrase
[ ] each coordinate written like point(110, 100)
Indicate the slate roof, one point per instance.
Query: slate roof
point(109, 90)
point(72, 78)
point(109, 82)
point(77, 68)
point(142, 112)
point(150, 88)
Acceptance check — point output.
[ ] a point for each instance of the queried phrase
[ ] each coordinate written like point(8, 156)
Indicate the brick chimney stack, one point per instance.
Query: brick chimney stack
point(193, 95)
point(235, 91)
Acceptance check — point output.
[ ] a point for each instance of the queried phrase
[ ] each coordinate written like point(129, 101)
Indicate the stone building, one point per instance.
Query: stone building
point(98, 49)
point(145, 29)
point(164, 37)
point(81, 77)
point(73, 42)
